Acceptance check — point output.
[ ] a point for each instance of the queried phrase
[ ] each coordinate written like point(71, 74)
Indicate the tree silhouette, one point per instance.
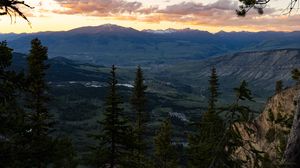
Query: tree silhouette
point(237, 114)
point(259, 5)
point(138, 102)
point(12, 115)
point(41, 123)
point(11, 8)
point(112, 146)
point(211, 128)
point(213, 88)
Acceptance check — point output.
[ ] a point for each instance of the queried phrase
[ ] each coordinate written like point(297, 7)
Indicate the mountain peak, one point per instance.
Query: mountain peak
point(166, 31)
point(170, 30)
point(102, 28)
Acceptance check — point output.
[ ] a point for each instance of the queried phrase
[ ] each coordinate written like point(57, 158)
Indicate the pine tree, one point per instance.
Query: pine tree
point(113, 141)
point(238, 114)
point(12, 116)
point(41, 123)
point(164, 150)
point(279, 86)
point(202, 144)
point(213, 88)
point(138, 102)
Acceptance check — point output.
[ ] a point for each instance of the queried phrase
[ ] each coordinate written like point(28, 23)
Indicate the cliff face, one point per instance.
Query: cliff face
point(278, 116)
point(292, 151)
point(273, 126)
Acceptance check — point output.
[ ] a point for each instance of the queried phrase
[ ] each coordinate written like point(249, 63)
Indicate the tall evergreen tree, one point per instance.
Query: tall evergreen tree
point(138, 102)
point(164, 150)
point(213, 88)
point(113, 141)
point(209, 131)
point(41, 122)
point(12, 116)
point(238, 114)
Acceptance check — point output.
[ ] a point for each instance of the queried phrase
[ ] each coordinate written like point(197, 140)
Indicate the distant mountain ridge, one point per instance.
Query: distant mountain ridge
point(111, 44)
point(170, 30)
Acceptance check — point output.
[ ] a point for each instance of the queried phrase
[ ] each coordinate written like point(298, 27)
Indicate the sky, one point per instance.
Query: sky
point(208, 15)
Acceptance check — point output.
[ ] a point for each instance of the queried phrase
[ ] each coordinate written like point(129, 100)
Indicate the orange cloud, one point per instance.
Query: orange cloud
point(218, 14)
point(98, 7)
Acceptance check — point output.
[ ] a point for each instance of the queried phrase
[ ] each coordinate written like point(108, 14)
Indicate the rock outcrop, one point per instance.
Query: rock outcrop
point(292, 152)
point(273, 129)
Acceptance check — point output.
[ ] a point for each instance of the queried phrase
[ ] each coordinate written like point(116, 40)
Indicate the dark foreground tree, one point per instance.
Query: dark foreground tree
point(164, 150)
point(112, 146)
point(12, 116)
point(12, 8)
point(202, 144)
point(138, 102)
point(237, 114)
point(40, 121)
point(213, 91)
point(259, 5)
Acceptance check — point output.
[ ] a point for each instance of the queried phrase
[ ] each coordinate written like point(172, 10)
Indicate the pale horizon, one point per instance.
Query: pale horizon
point(141, 29)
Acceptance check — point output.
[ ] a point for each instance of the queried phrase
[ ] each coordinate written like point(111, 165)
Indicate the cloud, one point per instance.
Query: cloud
point(98, 7)
point(185, 8)
point(117, 7)
point(218, 14)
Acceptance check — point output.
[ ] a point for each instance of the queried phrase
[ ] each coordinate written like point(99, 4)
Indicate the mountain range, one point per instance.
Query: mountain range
point(111, 44)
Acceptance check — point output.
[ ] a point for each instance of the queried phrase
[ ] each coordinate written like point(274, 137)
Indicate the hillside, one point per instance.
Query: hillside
point(112, 44)
point(261, 69)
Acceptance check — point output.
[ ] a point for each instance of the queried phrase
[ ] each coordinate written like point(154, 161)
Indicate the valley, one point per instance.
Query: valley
point(78, 89)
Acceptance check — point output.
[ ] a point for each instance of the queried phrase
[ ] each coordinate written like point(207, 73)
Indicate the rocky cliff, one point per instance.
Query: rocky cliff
point(273, 129)
point(292, 151)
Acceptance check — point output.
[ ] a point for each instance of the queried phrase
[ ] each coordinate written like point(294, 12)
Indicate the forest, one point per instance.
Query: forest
point(29, 138)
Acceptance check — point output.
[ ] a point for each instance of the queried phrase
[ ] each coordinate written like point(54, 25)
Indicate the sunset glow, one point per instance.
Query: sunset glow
point(212, 16)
